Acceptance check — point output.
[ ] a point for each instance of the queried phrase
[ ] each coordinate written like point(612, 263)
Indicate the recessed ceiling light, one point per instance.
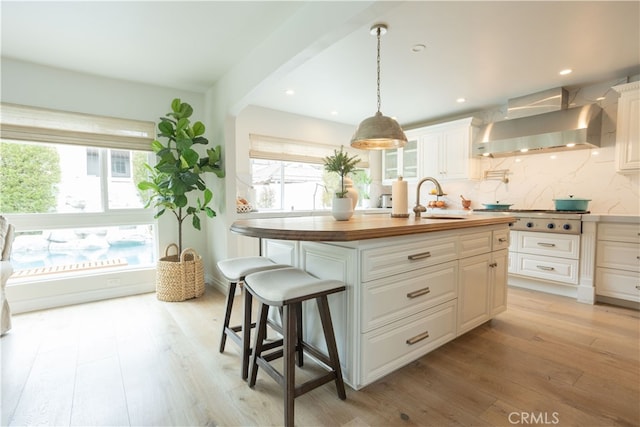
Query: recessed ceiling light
point(600, 98)
point(518, 160)
point(571, 144)
point(566, 71)
point(553, 157)
point(524, 150)
point(418, 47)
point(290, 92)
point(595, 153)
point(334, 113)
point(461, 100)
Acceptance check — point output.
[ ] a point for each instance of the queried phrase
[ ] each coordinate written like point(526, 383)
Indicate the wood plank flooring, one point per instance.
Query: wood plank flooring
point(141, 362)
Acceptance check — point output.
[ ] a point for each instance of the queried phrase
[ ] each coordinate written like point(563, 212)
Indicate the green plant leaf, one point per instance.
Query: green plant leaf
point(189, 158)
point(159, 214)
point(196, 222)
point(175, 105)
point(166, 128)
point(210, 212)
point(208, 196)
point(185, 110)
point(181, 201)
point(200, 140)
point(183, 123)
point(198, 128)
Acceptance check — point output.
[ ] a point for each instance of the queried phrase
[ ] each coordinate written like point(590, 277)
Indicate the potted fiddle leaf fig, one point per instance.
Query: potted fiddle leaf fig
point(342, 164)
point(179, 172)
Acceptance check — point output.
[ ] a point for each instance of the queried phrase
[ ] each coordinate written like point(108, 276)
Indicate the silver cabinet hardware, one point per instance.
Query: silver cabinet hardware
point(418, 338)
point(545, 268)
point(547, 245)
point(419, 256)
point(419, 292)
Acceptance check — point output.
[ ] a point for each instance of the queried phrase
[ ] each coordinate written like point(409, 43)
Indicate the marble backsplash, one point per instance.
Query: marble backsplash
point(534, 180)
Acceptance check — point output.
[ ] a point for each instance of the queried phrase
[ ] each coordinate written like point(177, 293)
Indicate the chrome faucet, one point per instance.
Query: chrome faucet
point(418, 209)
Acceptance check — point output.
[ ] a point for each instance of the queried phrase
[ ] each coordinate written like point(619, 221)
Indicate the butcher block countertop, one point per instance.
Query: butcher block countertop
point(359, 227)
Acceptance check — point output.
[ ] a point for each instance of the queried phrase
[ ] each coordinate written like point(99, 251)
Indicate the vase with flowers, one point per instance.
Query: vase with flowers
point(342, 164)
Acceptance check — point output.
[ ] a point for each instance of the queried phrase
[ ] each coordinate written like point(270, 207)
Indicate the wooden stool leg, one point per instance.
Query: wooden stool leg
point(261, 334)
point(299, 354)
point(329, 336)
point(227, 315)
point(246, 333)
point(289, 352)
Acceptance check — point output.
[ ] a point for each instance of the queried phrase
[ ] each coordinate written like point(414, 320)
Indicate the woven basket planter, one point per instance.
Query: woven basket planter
point(179, 277)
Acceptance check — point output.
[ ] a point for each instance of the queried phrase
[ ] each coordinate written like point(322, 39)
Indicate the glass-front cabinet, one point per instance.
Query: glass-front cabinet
point(401, 162)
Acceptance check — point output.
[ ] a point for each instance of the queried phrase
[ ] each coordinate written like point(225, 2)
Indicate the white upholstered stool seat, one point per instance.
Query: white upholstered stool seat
point(287, 288)
point(235, 270)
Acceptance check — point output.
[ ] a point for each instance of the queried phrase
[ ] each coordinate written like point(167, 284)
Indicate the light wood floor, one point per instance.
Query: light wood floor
point(138, 361)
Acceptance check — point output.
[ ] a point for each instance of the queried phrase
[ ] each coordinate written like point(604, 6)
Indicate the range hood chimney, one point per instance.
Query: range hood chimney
point(540, 123)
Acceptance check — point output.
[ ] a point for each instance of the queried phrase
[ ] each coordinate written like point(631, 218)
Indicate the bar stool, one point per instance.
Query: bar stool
point(235, 270)
point(288, 288)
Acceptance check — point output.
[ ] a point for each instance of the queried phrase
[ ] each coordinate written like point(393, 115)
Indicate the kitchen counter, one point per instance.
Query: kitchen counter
point(359, 227)
point(411, 285)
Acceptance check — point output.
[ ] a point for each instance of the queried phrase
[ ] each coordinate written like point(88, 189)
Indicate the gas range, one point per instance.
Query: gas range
point(542, 220)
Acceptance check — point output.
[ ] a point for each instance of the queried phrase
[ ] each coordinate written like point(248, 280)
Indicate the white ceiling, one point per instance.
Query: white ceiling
point(486, 52)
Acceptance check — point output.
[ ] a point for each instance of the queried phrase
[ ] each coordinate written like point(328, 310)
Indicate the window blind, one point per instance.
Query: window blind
point(24, 123)
point(291, 150)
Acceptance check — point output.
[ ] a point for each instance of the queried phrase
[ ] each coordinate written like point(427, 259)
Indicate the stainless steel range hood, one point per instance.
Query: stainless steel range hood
point(564, 129)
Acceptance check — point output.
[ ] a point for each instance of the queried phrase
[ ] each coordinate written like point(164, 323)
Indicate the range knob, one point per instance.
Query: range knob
point(566, 227)
point(529, 225)
point(551, 226)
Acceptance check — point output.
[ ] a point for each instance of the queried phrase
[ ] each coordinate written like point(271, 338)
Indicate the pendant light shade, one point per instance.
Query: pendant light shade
point(378, 132)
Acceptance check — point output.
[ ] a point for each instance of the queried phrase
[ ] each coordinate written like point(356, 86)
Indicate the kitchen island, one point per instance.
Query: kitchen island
point(411, 284)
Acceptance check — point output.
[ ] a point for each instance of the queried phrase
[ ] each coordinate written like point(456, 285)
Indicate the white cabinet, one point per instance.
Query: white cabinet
point(618, 261)
point(444, 150)
point(483, 288)
point(401, 162)
point(546, 256)
point(403, 294)
point(628, 128)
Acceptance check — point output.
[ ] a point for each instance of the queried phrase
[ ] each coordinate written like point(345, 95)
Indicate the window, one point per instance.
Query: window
point(76, 207)
point(289, 175)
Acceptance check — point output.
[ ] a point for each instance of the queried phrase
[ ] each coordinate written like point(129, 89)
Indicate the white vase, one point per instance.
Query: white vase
point(342, 208)
point(352, 192)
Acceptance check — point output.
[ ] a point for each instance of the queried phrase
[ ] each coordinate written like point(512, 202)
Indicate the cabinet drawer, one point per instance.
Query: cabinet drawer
point(389, 299)
point(501, 240)
point(624, 256)
point(475, 244)
point(393, 346)
point(396, 259)
point(557, 245)
point(619, 232)
point(557, 269)
point(618, 284)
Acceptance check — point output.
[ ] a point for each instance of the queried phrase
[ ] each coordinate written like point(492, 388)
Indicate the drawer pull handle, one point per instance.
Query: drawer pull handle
point(545, 268)
point(502, 240)
point(419, 256)
point(493, 264)
point(547, 245)
point(418, 338)
point(418, 293)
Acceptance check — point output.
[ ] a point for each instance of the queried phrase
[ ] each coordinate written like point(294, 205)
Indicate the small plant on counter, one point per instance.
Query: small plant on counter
point(342, 164)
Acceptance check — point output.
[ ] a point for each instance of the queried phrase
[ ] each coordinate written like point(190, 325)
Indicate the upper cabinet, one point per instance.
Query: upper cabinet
point(401, 162)
point(445, 150)
point(628, 128)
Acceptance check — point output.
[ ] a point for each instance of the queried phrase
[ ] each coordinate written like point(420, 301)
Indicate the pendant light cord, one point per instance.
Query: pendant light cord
point(378, 61)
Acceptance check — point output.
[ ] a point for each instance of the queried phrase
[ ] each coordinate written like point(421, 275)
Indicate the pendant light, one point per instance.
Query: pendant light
point(378, 132)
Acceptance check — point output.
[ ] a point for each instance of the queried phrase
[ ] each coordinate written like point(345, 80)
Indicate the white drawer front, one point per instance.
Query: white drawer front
point(396, 259)
point(389, 299)
point(501, 240)
point(556, 245)
point(619, 232)
point(618, 284)
point(391, 347)
point(475, 244)
point(625, 256)
point(548, 268)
